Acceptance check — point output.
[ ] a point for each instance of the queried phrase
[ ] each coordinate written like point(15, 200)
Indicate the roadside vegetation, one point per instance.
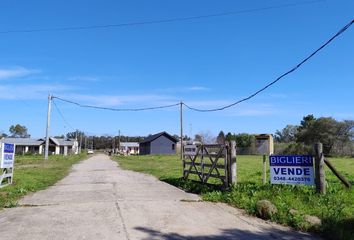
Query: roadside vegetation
point(335, 209)
point(33, 173)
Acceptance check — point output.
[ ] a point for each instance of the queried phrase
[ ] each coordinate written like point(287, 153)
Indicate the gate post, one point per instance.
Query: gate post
point(320, 179)
point(232, 164)
point(264, 169)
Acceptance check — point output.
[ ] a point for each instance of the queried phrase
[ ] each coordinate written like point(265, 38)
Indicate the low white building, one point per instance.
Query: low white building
point(25, 145)
point(37, 146)
point(129, 148)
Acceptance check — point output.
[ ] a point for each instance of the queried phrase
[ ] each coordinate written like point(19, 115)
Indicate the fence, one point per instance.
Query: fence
point(217, 161)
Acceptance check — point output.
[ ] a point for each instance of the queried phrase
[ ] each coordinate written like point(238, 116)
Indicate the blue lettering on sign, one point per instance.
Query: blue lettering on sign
point(8, 157)
point(291, 160)
point(9, 148)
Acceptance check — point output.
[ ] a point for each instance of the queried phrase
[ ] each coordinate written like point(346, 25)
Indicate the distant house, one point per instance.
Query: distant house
point(63, 146)
point(25, 145)
point(37, 146)
point(129, 148)
point(160, 143)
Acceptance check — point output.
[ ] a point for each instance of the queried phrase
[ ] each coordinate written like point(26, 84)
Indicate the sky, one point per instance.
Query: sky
point(204, 62)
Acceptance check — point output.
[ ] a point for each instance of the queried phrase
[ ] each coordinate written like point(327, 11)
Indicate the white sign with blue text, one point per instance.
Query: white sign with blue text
point(7, 155)
point(294, 169)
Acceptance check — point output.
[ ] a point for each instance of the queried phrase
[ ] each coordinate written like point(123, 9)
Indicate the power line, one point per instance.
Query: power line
point(342, 30)
point(62, 116)
point(118, 109)
point(87, 134)
point(169, 20)
point(277, 79)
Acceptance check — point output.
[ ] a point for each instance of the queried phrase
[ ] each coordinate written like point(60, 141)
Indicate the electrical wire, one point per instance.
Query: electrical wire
point(342, 30)
point(117, 109)
point(169, 20)
point(62, 116)
point(72, 128)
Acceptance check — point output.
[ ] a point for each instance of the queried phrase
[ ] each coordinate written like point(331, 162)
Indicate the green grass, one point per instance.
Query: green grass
point(32, 173)
point(336, 208)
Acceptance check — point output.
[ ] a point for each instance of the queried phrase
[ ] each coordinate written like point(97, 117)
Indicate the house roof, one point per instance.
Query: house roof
point(129, 144)
point(23, 141)
point(62, 141)
point(157, 135)
point(54, 140)
point(65, 142)
point(38, 142)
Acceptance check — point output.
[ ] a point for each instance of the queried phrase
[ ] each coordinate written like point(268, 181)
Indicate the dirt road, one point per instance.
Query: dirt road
point(98, 200)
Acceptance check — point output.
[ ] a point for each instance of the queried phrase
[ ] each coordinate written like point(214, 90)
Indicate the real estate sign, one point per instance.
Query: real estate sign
point(7, 155)
point(291, 169)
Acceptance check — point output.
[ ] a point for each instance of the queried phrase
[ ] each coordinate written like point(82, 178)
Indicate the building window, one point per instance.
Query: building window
point(173, 146)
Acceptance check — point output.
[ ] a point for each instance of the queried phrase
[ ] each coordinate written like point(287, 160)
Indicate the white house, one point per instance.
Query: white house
point(36, 146)
point(129, 148)
point(25, 145)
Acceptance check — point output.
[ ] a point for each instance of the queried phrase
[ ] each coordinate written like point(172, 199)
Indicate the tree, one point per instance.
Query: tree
point(204, 137)
point(198, 138)
point(244, 140)
point(220, 139)
point(18, 131)
point(75, 134)
point(3, 135)
point(287, 134)
point(307, 121)
point(229, 137)
point(326, 130)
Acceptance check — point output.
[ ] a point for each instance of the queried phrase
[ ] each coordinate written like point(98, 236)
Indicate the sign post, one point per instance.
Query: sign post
point(7, 158)
point(265, 147)
point(292, 169)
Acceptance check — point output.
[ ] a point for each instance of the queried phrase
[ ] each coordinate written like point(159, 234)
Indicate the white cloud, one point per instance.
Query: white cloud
point(16, 72)
point(30, 91)
point(183, 89)
point(204, 104)
point(114, 100)
point(197, 88)
point(253, 112)
point(84, 78)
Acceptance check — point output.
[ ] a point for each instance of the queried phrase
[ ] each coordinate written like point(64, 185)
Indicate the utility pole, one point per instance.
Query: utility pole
point(181, 122)
point(118, 140)
point(50, 97)
point(114, 144)
point(80, 142)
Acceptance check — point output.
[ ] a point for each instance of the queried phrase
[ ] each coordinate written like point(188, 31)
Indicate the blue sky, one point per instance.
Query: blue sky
point(206, 63)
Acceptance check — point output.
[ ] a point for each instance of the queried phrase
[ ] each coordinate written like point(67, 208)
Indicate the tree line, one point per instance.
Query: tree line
point(336, 136)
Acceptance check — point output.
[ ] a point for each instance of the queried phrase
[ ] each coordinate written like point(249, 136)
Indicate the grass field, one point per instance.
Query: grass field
point(336, 208)
point(32, 173)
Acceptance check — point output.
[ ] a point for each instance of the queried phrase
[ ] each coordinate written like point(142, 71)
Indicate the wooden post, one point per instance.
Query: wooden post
point(181, 126)
point(181, 138)
point(264, 169)
point(233, 164)
point(320, 179)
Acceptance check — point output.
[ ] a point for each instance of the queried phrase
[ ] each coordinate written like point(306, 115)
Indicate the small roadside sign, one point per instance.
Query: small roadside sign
point(190, 150)
point(264, 144)
point(291, 169)
point(7, 155)
point(7, 158)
